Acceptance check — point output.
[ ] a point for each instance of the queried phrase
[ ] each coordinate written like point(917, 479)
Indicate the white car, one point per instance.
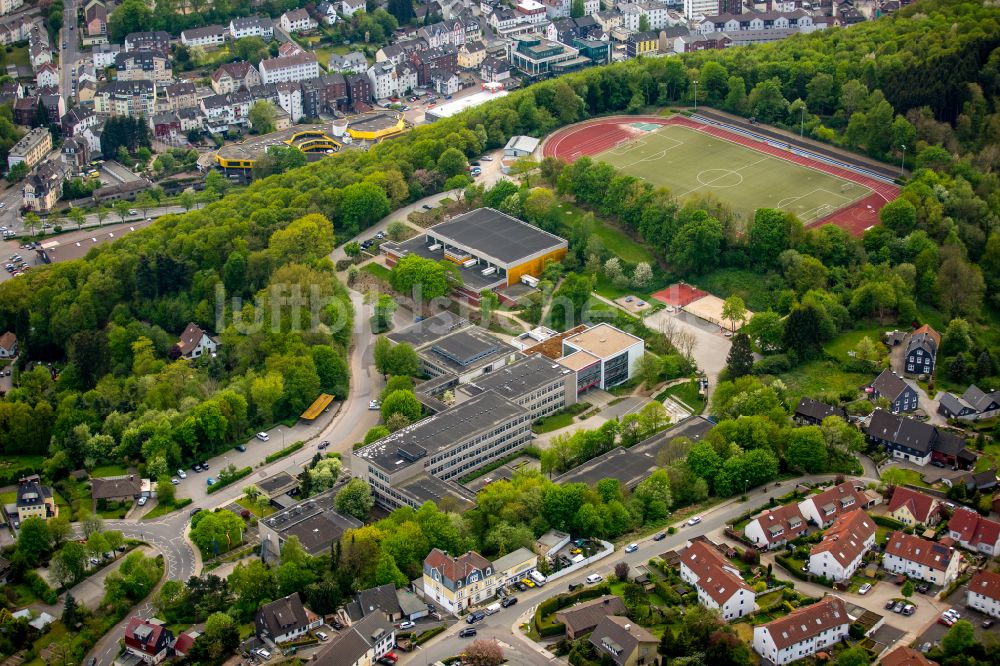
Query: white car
point(142, 501)
point(406, 624)
point(181, 473)
point(864, 588)
point(695, 520)
point(594, 578)
point(374, 404)
point(631, 548)
point(322, 635)
point(175, 480)
point(263, 436)
point(133, 212)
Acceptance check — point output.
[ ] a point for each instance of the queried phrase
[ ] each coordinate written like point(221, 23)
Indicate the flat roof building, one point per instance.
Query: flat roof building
point(536, 383)
point(602, 356)
point(314, 521)
point(405, 467)
point(491, 249)
point(314, 140)
point(30, 148)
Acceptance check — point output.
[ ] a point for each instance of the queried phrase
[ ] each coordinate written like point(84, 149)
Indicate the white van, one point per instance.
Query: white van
point(263, 654)
point(492, 608)
point(538, 578)
point(594, 578)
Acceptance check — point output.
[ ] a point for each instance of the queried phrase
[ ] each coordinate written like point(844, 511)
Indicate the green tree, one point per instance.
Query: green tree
point(740, 359)
point(770, 235)
point(361, 205)
point(33, 541)
point(422, 278)
point(907, 590)
point(855, 656)
point(697, 245)
point(644, 23)
point(804, 331)
point(806, 449)
point(959, 638)
point(355, 499)
point(71, 612)
point(899, 215)
point(401, 402)
point(186, 200)
point(165, 491)
point(577, 9)
point(261, 116)
point(452, 163)
point(77, 216)
point(733, 310)
point(766, 102)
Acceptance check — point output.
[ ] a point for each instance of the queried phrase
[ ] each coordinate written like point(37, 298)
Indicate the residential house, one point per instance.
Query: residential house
point(234, 76)
point(383, 78)
point(95, 17)
point(445, 82)
point(984, 480)
point(76, 152)
point(104, 55)
point(458, 583)
point(195, 342)
point(285, 619)
point(182, 95)
point(30, 148)
point(252, 26)
point(717, 581)
point(921, 559)
point(47, 75)
point(952, 406)
point(359, 91)
point(701, 42)
point(209, 36)
point(406, 78)
point(906, 656)
point(34, 500)
point(363, 643)
point(143, 64)
point(167, 126)
point(290, 68)
point(803, 632)
point(901, 395)
point(471, 55)
point(324, 94)
point(158, 41)
point(400, 51)
point(823, 508)
point(8, 345)
point(43, 187)
point(494, 70)
point(297, 20)
point(624, 642)
point(328, 12)
point(123, 488)
point(843, 547)
point(381, 599)
point(913, 508)
point(974, 404)
point(349, 63)
point(983, 593)
point(149, 640)
point(444, 33)
point(350, 7)
point(918, 442)
point(775, 527)
point(974, 532)
point(642, 44)
point(921, 351)
point(582, 618)
point(442, 57)
point(10, 6)
point(812, 412)
point(126, 98)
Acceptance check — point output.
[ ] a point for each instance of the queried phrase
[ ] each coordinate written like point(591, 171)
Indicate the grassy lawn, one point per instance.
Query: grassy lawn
point(687, 394)
point(257, 510)
point(819, 377)
point(18, 56)
point(615, 239)
point(561, 419)
point(21, 461)
point(115, 510)
point(378, 270)
point(748, 285)
point(881, 533)
point(839, 346)
point(8, 497)
point(744, 632)
point(108, 470)
point(164, 509)
point(910, 476)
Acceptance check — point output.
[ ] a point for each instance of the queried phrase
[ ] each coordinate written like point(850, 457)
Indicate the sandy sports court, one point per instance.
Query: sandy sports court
point(679, 294)
point(634, 304)
point(709, 308)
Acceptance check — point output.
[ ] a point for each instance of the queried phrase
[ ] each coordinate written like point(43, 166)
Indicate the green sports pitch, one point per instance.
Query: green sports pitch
point(689, 163)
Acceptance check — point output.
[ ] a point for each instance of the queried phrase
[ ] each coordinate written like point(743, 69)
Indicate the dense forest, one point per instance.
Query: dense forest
point(109, 323)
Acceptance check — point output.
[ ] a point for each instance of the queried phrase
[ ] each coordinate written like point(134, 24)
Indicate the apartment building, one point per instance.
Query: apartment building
point(126, 98)
point(462, 582)
point(823, 508)
point(252, 26)
point(843, 547)
point(297, 20)
point(803, 632)
point(30, 148)
point(919, 558)
point(983, 593)
point(143, 64)
point(776, 527)
point(716, 580)
point(209, 36)
point(297, 67)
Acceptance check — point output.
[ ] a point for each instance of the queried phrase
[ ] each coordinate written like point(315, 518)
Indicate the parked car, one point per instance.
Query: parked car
point(909, 609)
point(204, 465)
point(374, 405)
point(194, 511)
point(323, 445)
point(898, 607)
point(263, 436)
point(594, 578)
point(520, 586)
point(923, 588)
point(631, 548)
point(660, 537)
point(142, 501)
point(987, 624)
point(175, 481)
point(695, 520)
point(181, 473)
point(209, 481)
point(575, 586)
point(864, 588)
point(196, 467)
point(391, 656)
point(241, 448)
point(475, 617)
point(889, 604)
point(406, 624)
point(510, 601)
point(322, 635)
point(468, 632)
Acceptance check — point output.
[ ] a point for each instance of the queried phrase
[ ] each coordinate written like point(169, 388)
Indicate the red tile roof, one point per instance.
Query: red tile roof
point(827, 613)
point(150, 642)
point(844, 497)
point(8, 340)
point(456, 568)
point(987, 584)
point(934, 335)
point(973, 529)
point(918, 550)
point(846, 538)
point(906, 656)
point(919, 504)
point(784, 517)
point(715, 573)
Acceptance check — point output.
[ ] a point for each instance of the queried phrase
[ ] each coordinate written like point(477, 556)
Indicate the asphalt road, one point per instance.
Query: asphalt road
point(68, 56)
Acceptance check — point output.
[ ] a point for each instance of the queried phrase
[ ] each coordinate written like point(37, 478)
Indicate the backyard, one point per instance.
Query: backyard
point(821, 377)
point(687, 394)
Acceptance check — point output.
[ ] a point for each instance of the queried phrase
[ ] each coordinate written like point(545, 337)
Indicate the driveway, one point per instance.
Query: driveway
point(710, 348)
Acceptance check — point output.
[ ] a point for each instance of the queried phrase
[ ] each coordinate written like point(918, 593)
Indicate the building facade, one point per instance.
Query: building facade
point(803, 632)
point(919, 558)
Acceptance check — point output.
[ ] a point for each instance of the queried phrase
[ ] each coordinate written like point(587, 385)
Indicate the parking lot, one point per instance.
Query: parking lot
point(936, 631)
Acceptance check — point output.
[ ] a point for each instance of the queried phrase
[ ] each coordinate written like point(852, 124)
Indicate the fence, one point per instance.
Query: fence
point(608, 549)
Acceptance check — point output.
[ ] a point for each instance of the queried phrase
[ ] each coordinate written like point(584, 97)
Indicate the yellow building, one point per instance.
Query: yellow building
point(376, 125)
point(310, 139)
point(469, 580)
point(34, 500)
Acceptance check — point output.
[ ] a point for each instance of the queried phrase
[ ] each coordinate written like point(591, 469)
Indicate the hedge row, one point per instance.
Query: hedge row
point(40, 588)
point(429, 634)
point(888, 522)
point(222, 483)
point(284, 452)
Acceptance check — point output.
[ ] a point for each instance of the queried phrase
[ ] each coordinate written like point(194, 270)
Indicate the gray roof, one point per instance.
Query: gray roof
point(901, 431)
point(490, 232)
point(694, 428)
point(314, 521)
point(275, 482)
point(117, 486)
point(441, 431)
point(429, 330)
point(466, 349)
point(623, 634)
point(818, 410)
point(283, 615)
point(382, 598)
point(586, 615)
point(890, 385)
point(627, 465)
point(980, 399)
point(955, 404)
point(356, 640)
point(31, 492)
point(526, 375)
point(426, 488)
point(510, 559)
point(922, 341)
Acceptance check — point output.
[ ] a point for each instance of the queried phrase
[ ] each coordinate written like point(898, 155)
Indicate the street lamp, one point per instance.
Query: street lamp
point(696, 95)
point(745, 483)
point(802, 121)
point(902, 162)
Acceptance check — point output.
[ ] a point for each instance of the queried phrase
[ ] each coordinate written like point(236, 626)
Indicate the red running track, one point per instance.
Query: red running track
point(595, 136)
